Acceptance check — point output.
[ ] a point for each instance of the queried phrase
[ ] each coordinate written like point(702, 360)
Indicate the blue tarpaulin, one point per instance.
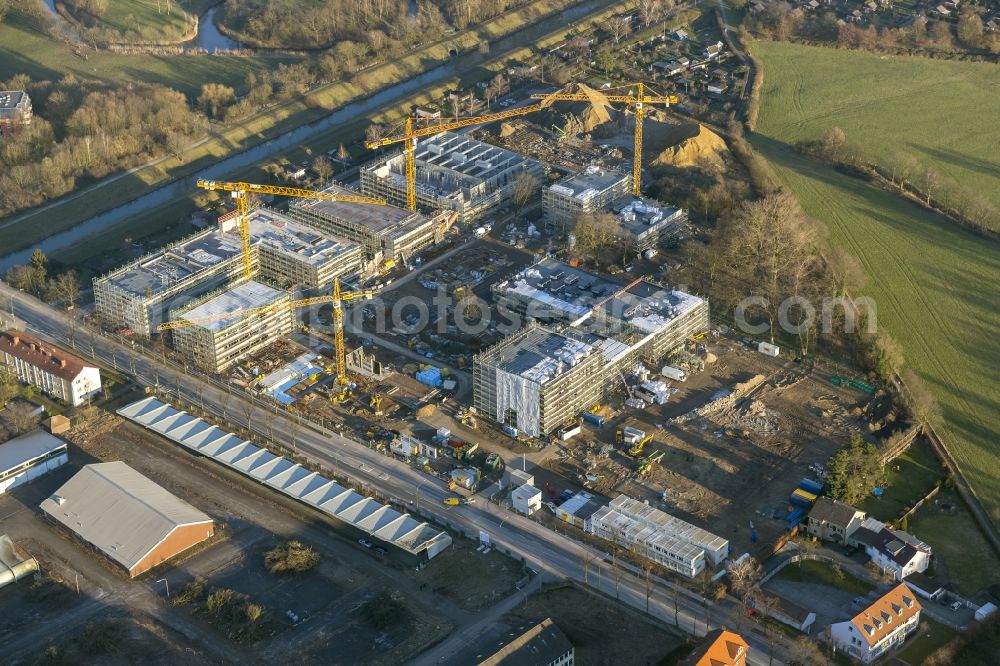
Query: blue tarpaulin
point(430, 376)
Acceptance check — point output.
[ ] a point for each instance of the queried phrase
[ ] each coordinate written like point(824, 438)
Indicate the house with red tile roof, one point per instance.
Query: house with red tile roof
point(882, 626)
point(54, 371)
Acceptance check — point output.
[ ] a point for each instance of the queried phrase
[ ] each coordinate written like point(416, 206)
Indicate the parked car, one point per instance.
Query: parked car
point(379, 551)
point(956, 605)
point(365, 542)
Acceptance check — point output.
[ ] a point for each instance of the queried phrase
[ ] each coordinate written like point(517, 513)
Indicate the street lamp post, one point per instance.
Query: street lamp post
point(165, 582)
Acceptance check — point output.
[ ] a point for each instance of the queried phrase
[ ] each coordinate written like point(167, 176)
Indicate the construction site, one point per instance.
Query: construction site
point(423, 317)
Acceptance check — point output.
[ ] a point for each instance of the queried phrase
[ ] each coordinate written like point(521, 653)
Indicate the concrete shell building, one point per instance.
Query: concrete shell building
point(591, 191)
point(385, 232)
point(54, 371)
point(454, 173)
point(646, 224)
point(138, 295)
point(216, 345)
point(537, 379)
point(131, 520)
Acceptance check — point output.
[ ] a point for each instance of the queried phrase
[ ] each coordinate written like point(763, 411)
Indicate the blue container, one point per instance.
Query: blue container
point(795, 517)
point(593, 419)
point(810, 486)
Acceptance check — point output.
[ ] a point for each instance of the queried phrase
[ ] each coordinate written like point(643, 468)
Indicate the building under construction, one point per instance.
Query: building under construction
point(453, 173)
point(537, 379)
point(214, 342)
point(385, 232)
point(639, 320)
point(138, 295)
point(647, 224)
point(589, 192)
point(608, 326)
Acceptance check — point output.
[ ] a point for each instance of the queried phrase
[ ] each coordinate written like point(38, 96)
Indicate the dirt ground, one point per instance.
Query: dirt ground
point(586, 618)
point(734, 463)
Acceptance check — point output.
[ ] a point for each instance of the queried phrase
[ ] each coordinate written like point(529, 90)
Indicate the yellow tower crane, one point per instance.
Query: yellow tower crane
point(410, 135)
point(638, 102)
point(242, 191)
point(337, 297)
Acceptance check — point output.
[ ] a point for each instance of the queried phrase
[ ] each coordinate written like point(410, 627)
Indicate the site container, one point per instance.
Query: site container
point(673, 373)
point(810, 486)
point(802, 498)
point(593, 419)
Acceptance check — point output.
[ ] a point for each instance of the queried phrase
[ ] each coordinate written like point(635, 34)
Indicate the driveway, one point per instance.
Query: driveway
point(829, 604)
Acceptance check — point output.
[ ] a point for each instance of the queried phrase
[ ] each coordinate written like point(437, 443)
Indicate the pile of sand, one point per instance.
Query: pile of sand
point(598, 111)
point(690, 145)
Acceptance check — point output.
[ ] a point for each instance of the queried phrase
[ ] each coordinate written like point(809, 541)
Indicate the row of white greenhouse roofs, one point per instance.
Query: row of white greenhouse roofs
point(381, 521)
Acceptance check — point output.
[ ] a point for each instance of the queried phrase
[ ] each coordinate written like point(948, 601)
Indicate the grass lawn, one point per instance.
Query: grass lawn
point(962, 554)
point(929, 636)
point(24, 49)
point(934, 284)
point(822, 573)
point(942, 112)
point(911, 476)
point(156, 22)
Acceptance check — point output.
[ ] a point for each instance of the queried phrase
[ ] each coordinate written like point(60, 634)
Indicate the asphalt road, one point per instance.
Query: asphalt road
point(543, 550)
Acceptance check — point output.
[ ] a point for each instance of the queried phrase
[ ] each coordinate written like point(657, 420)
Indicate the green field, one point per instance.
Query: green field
point(823, 573)
point(963, 556)
point(934, 284)
point(930, 636)
point(942, 112)
point(155, 22)
point(25, 50)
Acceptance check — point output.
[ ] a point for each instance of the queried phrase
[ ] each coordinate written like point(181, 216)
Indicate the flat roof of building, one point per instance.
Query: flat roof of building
point(589, 182)
point(635, 531)
point(9, 99)
point(120, 511)
point(28, 447)
point(449, 163)
point(539, 354)
point(235, 300)
point(668, 524)
point(378, 219)
point(641, 214)
point(204, 250)
point(576, 294)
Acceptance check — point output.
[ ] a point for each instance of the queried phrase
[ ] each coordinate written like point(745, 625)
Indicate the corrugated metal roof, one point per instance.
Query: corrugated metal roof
point(120, 511)
point(28, 447)
point(379, 520)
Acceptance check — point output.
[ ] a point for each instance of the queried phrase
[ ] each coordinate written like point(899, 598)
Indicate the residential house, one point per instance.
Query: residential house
point(880, 627)
point(831, 520)
point(713, 50)
point(788, 612)
point(925, 587)
point(680, 35)
point(892, 551)
point(719, 648)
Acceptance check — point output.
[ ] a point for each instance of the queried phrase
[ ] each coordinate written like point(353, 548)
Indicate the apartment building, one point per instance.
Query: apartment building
point(589, 192)
point(54, 371)
point(880, 627)
point(15, 111)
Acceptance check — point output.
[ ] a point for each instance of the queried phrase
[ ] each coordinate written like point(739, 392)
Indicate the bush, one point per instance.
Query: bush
point(384, 611)
point(292, 557)
point(235, 615)
point(191, 593)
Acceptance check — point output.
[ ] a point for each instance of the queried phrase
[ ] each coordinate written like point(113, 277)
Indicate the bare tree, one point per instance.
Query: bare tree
point(807, 547)
point(9, 386)
point(743, 577)
point(342, 154)
point(375, 132)
point(248, 410)
point(66, 287)
point(620, 27)
point(647, 582)
point(321, 165)
point(930, 179)
point(650, 11)
point(21, 417)
point(923, 405)
point(805, 652)
point(594, 235)
point(525, 189)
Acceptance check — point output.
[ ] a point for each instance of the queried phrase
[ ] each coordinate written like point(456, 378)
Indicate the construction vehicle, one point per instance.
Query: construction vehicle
point(648, 463)
point(410, 135)
point(637, 102)
point(376, 404)
point(337, 298)
point(634, 438)
point(242, 191)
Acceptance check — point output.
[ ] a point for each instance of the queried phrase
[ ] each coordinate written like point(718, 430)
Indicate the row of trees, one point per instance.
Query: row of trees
point(784, 21)
point(377, 23)
point(87, 130)
point(906, 172)
point(35, 279)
